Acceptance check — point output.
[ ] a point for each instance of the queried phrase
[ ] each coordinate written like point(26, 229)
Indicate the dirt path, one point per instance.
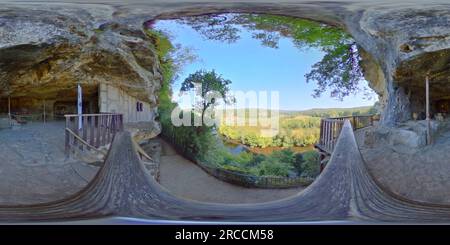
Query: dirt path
point(185, 179)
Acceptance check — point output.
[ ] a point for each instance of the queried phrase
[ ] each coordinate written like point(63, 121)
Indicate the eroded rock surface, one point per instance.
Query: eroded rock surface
point(46, 47)
point(401, 162)
point(49, 46)
point(45, 50)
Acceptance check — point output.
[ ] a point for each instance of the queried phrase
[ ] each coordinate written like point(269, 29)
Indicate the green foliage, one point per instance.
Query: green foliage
point(235, 169)
point(310, 165)
point(272, 167)
point(281, 163)
point(290, 123)
point(201, 144)
point(163, 49)
point(333, 112)
point(298, 162)
point(285, 155)
point(297, 128)
point(338, 71)
point(210, 82)
point(294, 131)
point(196, 141)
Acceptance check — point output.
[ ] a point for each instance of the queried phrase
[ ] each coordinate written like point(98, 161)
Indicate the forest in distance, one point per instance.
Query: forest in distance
point(296, 128)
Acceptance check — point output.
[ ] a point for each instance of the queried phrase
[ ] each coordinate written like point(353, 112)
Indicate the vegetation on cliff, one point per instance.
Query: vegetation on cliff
point(338, 72)
point(284, 163)
point(200, 143)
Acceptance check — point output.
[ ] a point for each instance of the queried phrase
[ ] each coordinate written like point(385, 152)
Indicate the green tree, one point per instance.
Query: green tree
point(298, 161)
point(209, 81)
point(373, 110)
point(311, 164)
point(272, 167)
point(339, 70)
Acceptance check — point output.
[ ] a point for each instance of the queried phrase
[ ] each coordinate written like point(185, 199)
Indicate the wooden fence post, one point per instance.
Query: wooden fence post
point(427, 107)
point(67, 141)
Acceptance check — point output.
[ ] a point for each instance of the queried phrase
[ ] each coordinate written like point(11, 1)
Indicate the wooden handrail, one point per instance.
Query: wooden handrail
point(96, 130)
point(92, 115)
point(85, 143)
point(141, 151)
point(330, 129)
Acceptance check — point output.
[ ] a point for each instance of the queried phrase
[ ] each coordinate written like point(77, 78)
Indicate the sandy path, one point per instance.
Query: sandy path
point(185, 179)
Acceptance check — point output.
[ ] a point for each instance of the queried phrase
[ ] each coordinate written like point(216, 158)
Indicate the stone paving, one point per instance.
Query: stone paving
point(33, 168)
point(420, 174)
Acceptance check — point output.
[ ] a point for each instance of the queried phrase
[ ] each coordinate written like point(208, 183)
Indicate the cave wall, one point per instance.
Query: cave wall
point(54, 109)
point(55, 45)
point(114, 100)
point(45, 52)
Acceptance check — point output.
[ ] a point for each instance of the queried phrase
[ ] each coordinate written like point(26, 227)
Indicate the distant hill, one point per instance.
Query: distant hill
point(332, 112)
point(323, 112)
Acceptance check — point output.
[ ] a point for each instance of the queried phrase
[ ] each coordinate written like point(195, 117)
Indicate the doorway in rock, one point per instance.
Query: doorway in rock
point(247, 53)
point(32, 136)
point(40, 106)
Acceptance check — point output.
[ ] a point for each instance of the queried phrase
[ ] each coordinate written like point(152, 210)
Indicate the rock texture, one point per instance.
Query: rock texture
point(415, 173)
point(123, 188)
point(49, 46)
point(46, 47)
point(45, 50)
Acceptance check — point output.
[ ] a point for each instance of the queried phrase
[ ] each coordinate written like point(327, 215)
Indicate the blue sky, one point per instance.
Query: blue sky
point(251, 66)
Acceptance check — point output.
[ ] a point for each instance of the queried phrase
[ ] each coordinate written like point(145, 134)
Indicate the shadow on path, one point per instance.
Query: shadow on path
point(185, 179)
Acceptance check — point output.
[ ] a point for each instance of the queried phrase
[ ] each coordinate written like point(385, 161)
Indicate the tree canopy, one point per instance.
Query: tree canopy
point(338, 72)
point(208, 82)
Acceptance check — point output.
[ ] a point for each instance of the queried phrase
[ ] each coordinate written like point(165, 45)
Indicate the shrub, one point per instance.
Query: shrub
point(311, 165)
point(294, 131)
point(298, 162)
point(272, 167)
point(284, 156)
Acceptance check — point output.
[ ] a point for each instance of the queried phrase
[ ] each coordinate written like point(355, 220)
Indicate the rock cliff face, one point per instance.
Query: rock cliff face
point(46, 50)
point(44, 47)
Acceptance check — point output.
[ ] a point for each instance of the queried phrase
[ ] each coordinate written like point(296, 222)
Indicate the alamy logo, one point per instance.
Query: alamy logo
point(238, 108)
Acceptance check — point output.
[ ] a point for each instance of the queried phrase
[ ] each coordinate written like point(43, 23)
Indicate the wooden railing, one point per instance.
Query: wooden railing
point(27, 117)
point(330, 128)
point(329, 132)
point(358, 122)
point(97, 130)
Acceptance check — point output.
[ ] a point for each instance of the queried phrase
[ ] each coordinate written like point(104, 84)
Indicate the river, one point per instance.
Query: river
point(236, 148)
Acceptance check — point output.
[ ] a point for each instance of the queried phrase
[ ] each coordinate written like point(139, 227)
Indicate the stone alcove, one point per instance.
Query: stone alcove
point(411, 75)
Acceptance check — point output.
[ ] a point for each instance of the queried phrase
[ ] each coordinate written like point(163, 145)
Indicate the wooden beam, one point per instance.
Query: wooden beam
point(44, 112)
point(85, 143)
point(9, 111)
point(427, 108)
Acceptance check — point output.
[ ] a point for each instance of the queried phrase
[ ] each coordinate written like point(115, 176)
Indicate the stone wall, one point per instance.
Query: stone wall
point(115, 100)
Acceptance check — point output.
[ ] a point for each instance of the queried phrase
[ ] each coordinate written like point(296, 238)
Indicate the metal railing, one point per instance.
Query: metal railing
point(97, 130)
